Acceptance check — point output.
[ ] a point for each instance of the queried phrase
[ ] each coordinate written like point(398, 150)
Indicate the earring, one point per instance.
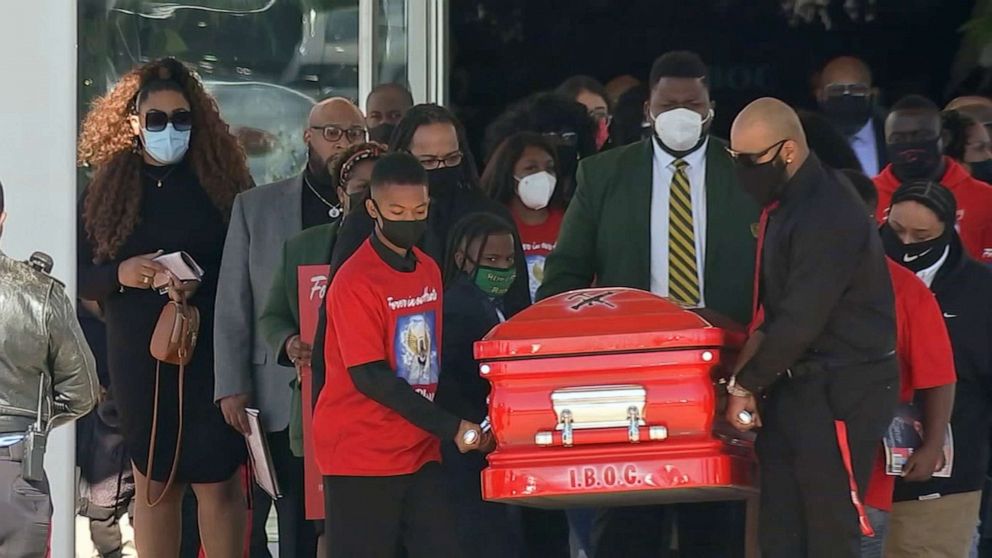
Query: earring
point(788, 161)
point(135, 145)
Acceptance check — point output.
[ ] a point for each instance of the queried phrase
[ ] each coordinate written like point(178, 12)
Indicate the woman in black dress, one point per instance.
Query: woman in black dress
point(166, 173)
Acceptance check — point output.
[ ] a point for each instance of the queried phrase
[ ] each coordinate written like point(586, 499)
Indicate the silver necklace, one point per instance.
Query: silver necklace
point(333, 211)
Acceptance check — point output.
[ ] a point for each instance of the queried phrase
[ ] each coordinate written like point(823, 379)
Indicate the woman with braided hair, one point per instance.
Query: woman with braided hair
point(166, 171)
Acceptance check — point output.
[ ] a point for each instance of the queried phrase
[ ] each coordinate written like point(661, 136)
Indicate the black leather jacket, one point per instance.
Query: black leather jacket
point(40, 338)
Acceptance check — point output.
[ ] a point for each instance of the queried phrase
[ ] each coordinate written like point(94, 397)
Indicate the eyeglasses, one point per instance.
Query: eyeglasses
point(853, 89)
point(156, 120)
point(333, 133)
point(751, 159)
point(563, 138)
point(448, 161)
point(601, 114)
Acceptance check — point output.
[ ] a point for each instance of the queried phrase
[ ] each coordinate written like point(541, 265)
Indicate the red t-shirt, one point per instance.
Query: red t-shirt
point(375, 313)
point(925, 359)
point(974, 199)
point(539, 241)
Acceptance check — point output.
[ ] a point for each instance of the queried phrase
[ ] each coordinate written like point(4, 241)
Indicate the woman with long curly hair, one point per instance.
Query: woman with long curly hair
point(166, 171)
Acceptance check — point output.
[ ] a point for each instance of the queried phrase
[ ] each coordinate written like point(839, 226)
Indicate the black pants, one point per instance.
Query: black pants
point(25, 509)
point(297, 536)
point(490, 529)
point(189, 546)
point(806, 507)
point(705, 530)
point(375, 517)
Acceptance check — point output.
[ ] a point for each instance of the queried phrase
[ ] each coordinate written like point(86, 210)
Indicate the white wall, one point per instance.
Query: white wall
point(37, 144)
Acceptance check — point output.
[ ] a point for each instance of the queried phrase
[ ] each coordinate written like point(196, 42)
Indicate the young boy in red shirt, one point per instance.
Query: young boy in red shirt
point(377, 430)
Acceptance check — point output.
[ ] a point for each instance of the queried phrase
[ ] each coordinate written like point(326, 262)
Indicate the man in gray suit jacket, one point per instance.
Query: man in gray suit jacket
point(246, 371)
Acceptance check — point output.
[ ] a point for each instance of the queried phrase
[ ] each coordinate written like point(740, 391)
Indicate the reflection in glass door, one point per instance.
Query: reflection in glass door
point(403, 41)
point(268, 61)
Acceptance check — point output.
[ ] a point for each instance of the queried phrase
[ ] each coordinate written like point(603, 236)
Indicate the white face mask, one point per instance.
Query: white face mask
point(680, 129)
point(535, 190)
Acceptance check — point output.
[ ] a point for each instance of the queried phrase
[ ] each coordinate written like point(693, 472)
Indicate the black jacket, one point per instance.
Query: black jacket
point(468, 316)
point(824, 283)
point(964, 291)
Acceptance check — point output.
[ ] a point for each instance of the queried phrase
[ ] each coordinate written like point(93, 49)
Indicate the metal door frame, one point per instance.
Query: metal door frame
point(427, 49)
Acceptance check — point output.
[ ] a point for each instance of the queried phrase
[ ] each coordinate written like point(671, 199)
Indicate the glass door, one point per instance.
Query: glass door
point(405, 42)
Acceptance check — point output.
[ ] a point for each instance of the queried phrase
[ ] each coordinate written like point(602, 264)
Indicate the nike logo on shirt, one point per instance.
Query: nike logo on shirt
point(907, 258)
point(946, 315)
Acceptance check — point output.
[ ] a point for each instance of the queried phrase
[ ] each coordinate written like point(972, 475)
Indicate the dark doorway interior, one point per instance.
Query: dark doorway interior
point(507, 49)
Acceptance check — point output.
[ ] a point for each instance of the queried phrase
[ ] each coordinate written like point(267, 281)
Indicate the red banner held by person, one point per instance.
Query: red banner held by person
point(312, 284)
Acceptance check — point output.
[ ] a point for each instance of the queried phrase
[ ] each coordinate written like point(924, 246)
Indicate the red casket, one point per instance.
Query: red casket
point(606, 397)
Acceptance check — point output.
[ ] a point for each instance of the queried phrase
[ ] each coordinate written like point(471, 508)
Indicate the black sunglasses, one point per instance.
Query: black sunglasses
point(751, 159)
point(156, 120)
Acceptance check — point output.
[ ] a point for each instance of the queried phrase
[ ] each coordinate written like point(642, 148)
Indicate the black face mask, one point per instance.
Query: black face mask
point(403, 234)
point(849, 113)
point(914, 160)
point(916, 256)
point(763, 182)
point(443, 181)
point(382, 133)
point(568, 158)
point(982, 170)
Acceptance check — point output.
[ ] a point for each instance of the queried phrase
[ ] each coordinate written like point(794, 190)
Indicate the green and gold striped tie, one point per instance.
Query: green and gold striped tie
point(683, 277)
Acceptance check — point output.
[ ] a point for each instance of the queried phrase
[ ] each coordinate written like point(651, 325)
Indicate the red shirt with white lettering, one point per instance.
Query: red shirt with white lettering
point(974, 199)
point(377, 313)
point(539, 241)
point(925, 357)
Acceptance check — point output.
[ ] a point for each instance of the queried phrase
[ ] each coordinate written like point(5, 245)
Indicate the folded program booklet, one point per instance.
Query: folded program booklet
point(261, 459)
point(182, 265)
point(905, 435)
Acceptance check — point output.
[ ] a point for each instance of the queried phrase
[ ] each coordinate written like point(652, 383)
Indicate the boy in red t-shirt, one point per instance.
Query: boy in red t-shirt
point(376, 428)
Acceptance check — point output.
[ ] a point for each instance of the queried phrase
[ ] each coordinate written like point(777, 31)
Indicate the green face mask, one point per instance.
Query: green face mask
point(494, 281)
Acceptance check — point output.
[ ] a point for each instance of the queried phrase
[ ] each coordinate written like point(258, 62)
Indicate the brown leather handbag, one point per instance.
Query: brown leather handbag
point(173, 342)
point(174, 338)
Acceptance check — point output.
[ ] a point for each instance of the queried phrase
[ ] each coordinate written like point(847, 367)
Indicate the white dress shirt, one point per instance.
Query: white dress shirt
point(664, 170)
point(929, 274)
point(865, 147)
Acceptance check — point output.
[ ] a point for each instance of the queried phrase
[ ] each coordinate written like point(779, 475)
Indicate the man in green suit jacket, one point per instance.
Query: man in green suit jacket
point(606, 238)
point(664, 215)
point(280, 319)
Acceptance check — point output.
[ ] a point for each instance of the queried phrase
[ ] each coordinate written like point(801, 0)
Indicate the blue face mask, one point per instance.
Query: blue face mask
point(167, 146)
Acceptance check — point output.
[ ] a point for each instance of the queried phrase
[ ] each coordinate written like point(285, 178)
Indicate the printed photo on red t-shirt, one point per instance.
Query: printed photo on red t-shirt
point(538, 241)
point(415, 347)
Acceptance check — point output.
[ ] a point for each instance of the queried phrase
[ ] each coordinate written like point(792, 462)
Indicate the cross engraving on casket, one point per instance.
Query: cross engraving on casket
point(588, 299)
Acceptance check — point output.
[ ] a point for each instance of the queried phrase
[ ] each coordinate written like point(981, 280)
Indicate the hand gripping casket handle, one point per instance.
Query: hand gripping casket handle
point(602, 415)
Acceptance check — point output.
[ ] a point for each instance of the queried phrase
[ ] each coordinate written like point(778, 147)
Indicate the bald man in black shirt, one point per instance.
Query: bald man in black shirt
point(821, 361)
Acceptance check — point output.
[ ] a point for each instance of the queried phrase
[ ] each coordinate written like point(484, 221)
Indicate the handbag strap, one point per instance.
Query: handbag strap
point(179, 432)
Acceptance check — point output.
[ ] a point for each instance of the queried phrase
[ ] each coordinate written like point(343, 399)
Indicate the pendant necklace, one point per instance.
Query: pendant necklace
point(158, 179)
point(333, 211)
